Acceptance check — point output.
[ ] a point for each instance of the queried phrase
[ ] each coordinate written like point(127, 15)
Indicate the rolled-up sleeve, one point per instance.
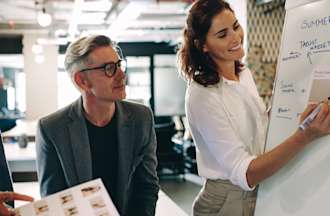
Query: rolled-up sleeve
point(218, 143)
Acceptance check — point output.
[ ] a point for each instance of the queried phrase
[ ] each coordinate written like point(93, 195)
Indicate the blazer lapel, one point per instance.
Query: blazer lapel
point(126, 137)
point(80, 143)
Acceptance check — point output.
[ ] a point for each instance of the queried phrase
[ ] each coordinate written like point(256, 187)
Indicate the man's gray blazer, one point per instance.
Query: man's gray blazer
point(64, 157)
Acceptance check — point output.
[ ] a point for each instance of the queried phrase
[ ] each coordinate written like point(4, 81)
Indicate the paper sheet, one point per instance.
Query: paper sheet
point(90, 198)
point(320, 89)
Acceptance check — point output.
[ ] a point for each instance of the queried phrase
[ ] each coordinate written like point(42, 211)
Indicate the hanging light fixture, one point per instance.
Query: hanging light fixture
point(44, 19)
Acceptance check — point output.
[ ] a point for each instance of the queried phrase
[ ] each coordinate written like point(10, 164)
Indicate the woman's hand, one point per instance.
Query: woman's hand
point(10, 196)
point(320, 126)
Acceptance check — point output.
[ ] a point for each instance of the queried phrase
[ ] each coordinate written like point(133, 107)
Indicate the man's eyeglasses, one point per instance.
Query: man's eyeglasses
point(110, 68)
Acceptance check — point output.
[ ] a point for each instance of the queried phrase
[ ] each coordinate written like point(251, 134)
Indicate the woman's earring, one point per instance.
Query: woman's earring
point(198, 71)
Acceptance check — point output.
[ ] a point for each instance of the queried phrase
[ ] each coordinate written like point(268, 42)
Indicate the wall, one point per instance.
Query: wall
point(41, 79)
point(264, 25)
point(240, 8)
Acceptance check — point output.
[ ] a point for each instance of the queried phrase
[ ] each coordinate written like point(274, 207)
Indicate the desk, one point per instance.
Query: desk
point(24, 160)
point(21, 159)
point(22, 127)
point(165, 206)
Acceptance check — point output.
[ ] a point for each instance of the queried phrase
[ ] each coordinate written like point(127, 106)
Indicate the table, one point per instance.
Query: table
point(22, 127)
point(21, 159)
point(24, 160)
point(165, 206)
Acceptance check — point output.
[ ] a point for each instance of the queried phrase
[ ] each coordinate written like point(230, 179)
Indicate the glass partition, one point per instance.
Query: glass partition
point(12, 87)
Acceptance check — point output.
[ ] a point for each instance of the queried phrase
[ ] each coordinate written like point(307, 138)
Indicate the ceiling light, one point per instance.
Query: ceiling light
point(44, 19)
point(76, 12)
point(131, 12)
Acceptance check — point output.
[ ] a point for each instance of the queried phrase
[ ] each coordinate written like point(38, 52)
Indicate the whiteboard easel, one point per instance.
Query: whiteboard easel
point(302, 187)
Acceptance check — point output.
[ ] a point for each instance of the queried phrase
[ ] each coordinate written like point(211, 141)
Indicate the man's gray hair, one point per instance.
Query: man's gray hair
point(77, 52)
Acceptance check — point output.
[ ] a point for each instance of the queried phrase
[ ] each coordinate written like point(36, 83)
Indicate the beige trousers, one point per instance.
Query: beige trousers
point(222, 198)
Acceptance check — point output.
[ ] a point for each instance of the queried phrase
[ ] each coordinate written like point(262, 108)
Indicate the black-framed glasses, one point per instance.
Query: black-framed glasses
point(110, 68)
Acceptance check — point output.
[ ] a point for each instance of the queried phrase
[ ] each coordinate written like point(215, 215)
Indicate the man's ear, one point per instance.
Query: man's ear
point(81, 81)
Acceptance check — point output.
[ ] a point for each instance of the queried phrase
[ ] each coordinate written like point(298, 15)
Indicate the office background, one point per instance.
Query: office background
point(36, 85)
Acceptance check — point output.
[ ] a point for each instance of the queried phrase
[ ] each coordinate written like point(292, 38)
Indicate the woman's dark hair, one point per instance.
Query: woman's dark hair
point(194, 63)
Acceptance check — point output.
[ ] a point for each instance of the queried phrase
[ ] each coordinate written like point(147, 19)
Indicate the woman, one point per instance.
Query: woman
point(227, 117)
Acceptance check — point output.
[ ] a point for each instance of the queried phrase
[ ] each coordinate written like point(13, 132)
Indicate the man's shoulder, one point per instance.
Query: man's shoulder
point(134, 107)
point(136, 111)
point(57, 118)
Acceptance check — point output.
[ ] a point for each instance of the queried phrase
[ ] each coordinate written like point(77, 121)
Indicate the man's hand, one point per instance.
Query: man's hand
point(10, 196)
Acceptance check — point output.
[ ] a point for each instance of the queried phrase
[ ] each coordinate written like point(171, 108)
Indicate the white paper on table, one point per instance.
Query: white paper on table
point(90, 198)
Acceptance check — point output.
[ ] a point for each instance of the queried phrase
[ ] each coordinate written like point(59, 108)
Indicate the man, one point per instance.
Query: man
point(6, 185)
point(100, 135)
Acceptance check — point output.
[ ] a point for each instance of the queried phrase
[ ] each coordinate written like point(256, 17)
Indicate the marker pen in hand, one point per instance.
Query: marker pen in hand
point(311, 116)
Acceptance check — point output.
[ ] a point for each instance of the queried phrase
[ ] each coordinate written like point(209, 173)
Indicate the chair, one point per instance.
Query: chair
point(7, 124)
point(169, 158)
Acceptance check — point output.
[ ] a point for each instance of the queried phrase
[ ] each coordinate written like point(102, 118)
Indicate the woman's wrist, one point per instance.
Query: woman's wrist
point(303, 137)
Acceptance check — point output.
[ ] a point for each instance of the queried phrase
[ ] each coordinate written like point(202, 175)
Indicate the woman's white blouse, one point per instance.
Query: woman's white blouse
point(228, 123)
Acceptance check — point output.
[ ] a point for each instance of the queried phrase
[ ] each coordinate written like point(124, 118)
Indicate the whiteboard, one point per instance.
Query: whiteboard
point(302, 187)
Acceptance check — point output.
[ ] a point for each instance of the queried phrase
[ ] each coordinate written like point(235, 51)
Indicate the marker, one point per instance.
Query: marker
point(310, 117)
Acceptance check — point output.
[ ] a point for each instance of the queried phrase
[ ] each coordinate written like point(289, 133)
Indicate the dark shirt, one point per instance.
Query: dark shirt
point(104, 151)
